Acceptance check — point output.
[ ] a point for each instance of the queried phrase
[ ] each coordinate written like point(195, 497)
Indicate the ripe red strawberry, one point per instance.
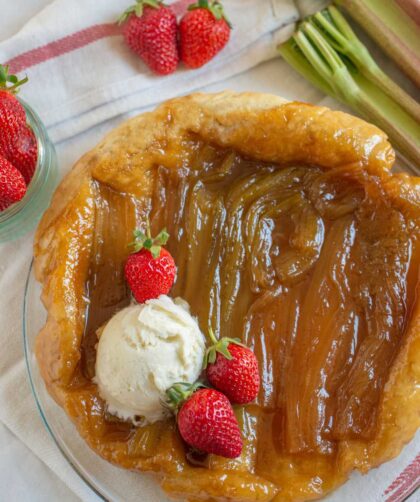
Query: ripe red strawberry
point(206, 420)
point(204, 31)
point(25, 153)
point(151, 270)
point(232, 368)
point(9, 102)
point(17, 141)
point(150, 30)
point(11, 122)
point(12, 184)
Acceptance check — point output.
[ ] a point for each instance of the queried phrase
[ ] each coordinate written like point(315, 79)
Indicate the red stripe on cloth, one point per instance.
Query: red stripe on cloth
point(405, 483)
point(62, 46)
point(75, 41)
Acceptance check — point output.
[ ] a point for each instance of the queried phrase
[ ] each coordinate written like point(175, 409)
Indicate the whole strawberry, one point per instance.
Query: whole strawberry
point(206, 420)
point(12, 113)
point(232, 368)
point(12, 184)
point(150, 271)
point(25, 152)
point(9, 102)
point(204, 31)
point(150, 30)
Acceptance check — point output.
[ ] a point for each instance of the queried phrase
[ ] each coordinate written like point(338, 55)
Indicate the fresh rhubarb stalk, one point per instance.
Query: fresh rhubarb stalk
point(293, 55)
point(310, 53)
point(393, 30)
point(412, 8)
point(341, 36)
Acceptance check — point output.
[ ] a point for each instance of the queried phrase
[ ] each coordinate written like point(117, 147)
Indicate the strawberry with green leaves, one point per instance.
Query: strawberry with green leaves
point(205, 419)
point(17, 140)
point(150, 271)
point(12, 113)
point(232, 368)
point(9, 87)
point(150, 30)
point(204, 32)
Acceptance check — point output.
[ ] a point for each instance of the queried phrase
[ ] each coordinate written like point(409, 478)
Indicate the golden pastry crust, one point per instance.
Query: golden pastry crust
point(262, 127)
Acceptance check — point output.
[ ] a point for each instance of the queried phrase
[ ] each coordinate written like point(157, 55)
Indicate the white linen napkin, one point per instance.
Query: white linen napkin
point(89, 75)
point(87, 83)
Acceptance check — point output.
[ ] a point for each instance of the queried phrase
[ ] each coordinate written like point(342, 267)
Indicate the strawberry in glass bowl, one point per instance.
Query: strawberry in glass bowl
point(28, 164)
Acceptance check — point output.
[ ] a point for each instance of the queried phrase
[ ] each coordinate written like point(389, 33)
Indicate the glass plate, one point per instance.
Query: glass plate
point(107, 481)
point(110, 482)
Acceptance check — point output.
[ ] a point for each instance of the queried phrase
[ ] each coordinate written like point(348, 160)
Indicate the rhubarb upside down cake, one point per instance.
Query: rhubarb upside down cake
point(290, 233)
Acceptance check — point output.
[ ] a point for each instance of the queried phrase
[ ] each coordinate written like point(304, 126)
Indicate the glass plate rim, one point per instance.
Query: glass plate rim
point(41, 412)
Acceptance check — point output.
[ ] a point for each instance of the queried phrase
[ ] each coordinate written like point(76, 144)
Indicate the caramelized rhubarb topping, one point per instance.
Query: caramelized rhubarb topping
point(106, 289)
point(315, 270)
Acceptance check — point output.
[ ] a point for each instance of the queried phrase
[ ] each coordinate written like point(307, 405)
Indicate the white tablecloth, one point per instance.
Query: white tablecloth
point(23, 477)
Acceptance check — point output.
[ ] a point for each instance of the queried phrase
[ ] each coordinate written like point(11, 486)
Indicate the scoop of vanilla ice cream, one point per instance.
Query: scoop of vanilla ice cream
point(142, 351)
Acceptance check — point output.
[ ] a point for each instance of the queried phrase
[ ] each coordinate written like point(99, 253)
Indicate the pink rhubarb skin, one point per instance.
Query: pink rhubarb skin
point(412, 8)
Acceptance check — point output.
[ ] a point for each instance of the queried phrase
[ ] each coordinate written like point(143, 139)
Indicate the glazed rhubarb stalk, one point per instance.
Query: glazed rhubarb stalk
point(328, 327)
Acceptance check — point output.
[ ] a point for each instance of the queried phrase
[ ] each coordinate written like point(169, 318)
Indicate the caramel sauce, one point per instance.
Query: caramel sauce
point(106, 289)
point(314, 270)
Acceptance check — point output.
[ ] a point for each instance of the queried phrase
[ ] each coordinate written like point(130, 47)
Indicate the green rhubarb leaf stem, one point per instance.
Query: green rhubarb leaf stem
point(335, 70)
point(393, 90)
point(343, 39)
point(408, 144)
point(320, 56)
point(391, 28)
point(293, 55)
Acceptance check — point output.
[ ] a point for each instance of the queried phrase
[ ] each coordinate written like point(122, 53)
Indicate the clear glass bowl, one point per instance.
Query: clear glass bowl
point(21, 217)
point(107, 481)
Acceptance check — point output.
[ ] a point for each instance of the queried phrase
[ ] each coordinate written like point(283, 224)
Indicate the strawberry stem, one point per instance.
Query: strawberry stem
point(215, 7)
point(6, 79)
point(138, 9)
point(219, 346)
point(146, 241)
point(212, 336)
point(180, 392)
point(148, 230)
